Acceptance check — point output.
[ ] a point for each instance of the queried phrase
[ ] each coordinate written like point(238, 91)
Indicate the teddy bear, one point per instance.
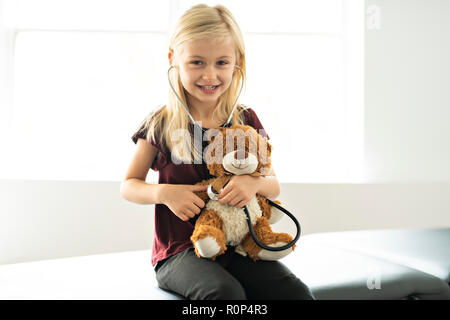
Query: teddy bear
point(236, 150)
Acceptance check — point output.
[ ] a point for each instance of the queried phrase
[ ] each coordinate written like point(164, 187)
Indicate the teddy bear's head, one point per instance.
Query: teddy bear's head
point(237, 150)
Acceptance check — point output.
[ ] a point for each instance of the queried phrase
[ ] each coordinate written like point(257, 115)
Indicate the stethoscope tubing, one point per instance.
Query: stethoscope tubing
point(262, 245)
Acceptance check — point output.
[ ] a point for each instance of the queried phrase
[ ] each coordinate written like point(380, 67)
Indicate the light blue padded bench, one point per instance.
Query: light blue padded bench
point(424, 250)
point(379, 264)
point(398, 264)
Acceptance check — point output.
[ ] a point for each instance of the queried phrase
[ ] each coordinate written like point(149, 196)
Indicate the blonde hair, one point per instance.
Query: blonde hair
point(199, 22)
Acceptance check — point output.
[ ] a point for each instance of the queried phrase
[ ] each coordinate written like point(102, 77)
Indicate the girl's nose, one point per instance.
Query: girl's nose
point(209, 73)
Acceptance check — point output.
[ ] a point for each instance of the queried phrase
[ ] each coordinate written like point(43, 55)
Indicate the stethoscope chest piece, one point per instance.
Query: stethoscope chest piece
point(211, 193)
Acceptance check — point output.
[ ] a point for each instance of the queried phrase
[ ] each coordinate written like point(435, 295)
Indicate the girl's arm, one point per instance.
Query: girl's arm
point(268, 187)
point(181, 199)
point(242, 188)
point(139, 191)
point(133, 187)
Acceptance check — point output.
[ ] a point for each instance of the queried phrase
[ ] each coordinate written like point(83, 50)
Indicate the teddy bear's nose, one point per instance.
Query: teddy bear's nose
point(241, 155)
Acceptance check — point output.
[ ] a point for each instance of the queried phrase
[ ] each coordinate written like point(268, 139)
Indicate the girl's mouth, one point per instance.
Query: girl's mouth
point(208, 89)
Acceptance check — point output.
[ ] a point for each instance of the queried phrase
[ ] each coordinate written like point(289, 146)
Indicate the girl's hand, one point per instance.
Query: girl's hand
point(182, 201)
point(240, 190)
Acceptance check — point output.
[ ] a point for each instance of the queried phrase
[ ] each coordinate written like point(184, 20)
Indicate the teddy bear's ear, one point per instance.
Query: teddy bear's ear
point(269, 147)
point(265, 150)
point(211, 134)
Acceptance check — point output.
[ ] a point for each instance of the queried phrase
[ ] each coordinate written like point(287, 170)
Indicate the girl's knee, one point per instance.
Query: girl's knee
point(224, 290)
point(299, 291)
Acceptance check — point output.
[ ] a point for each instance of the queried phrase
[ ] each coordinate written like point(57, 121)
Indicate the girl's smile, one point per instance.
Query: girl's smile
point(208, 89)
point(206, 71)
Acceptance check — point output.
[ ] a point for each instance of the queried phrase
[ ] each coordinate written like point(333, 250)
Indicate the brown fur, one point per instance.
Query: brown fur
point(264, 233)
point(210, 218)
point(221, 182)
point(217, 170)
point(209, 223)
point(203, 194)
point(266, 208)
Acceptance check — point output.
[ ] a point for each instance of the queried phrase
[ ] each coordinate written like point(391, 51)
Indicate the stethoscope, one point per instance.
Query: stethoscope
point(213, 195)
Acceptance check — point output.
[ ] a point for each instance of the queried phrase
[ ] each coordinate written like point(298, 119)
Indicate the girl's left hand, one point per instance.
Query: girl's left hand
point(239, 190)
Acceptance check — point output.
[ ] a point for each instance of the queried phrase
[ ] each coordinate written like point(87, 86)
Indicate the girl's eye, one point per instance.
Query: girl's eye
point(195, 62)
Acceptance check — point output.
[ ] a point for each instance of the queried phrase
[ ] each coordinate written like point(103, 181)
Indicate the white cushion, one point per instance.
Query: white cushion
point(122, 275)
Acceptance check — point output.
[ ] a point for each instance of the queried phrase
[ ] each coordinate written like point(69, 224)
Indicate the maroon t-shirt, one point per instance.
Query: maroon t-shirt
point(171, 234)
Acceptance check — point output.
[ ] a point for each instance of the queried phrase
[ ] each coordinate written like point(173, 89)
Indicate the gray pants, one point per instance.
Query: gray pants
point(230, 277)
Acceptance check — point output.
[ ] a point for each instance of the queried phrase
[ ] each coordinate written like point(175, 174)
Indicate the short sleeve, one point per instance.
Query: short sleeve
point(140, 133)
point(161, 159)
point(252, 120)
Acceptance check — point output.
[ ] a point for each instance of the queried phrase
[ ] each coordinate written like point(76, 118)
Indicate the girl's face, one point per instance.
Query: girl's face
point(205, 63)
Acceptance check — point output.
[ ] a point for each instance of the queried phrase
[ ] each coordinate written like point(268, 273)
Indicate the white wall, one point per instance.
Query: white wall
point(55, 219)
point(407, 96)
point(342, 207)
point(407, 139)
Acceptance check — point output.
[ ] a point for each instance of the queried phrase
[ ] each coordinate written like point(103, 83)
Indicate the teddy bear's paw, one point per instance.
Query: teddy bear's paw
point(274, 255)
point(240, 251)
point(207, 247)
point(275, 215)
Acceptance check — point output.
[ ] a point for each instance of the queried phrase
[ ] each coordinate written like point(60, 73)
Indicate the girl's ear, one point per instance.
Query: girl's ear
point(170, 56)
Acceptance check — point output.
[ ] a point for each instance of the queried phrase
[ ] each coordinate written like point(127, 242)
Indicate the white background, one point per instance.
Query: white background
point(82, 75)
point(94, 84)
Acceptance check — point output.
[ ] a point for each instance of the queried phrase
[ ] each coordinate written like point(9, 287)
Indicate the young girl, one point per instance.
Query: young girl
point(208, 59)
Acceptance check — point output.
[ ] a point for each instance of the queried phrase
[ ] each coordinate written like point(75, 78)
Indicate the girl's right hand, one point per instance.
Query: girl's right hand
point(182, 201)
